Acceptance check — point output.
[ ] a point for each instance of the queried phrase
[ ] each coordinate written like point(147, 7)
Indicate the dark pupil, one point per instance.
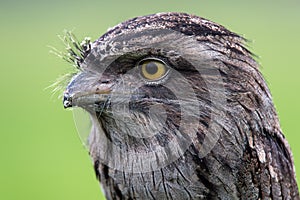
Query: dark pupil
point(151, 68)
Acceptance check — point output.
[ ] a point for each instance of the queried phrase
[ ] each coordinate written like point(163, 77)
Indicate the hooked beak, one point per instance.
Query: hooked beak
point(85, 91)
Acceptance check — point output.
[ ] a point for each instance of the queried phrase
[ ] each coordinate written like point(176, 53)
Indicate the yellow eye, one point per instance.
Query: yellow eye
point(153, 69)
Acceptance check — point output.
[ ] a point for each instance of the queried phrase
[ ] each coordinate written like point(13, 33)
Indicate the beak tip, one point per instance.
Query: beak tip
point(67, 104)
point(67, 101)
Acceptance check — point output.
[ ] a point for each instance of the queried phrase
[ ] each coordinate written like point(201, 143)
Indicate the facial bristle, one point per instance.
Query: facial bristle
point(75, 51)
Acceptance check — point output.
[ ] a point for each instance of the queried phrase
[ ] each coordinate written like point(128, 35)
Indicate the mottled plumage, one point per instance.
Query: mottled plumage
point(180, 111)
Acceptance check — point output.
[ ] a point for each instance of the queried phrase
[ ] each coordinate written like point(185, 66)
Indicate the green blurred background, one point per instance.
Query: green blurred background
point(41, 156)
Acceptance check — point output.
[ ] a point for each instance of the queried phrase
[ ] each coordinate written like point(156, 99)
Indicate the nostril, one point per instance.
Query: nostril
point(67, 101)
point(105, 81)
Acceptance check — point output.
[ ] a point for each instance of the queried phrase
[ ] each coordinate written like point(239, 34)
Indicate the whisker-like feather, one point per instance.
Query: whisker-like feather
point(75, 52)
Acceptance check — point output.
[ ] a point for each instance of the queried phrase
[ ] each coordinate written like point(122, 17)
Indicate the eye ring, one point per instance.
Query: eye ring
point(153, 69)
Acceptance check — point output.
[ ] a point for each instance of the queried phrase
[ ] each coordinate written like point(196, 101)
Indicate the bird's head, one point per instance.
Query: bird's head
point(154, 85)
